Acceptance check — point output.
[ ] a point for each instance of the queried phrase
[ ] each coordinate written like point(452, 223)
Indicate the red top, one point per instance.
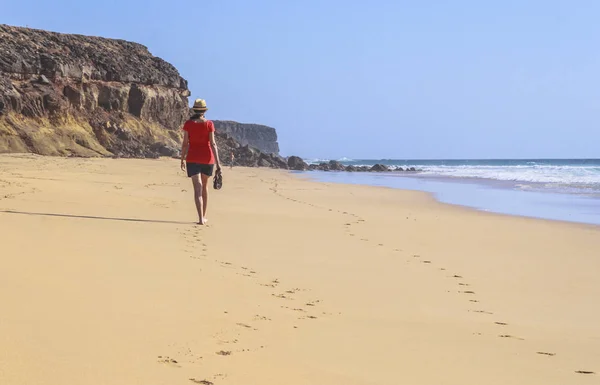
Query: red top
point(199, 150)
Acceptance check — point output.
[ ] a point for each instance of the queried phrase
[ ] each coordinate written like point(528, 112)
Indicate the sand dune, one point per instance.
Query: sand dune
point(104, 279)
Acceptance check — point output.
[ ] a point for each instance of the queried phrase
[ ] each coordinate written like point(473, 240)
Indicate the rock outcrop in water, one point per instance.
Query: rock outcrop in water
point(87, 96)
point(261, 137)
point(296, 163)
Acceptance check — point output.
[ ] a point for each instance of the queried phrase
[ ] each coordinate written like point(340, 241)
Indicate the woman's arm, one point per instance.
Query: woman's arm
point(213, 145)
point(184, 149)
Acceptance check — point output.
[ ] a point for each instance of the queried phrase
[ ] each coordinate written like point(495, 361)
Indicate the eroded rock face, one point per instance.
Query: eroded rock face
point(261, 137)
point(86, 96)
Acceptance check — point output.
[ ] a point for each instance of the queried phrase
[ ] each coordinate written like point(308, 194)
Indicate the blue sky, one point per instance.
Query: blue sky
point(378, 79)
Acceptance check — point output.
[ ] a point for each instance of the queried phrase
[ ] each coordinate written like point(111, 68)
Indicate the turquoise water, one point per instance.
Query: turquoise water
point(564, 189)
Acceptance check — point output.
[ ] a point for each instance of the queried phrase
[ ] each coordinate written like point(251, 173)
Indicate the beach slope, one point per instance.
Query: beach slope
point(105, 279)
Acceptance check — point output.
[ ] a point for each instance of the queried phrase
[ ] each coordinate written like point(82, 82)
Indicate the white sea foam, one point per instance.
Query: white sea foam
point(530, 173)
point(318, 160)
point(315, 160)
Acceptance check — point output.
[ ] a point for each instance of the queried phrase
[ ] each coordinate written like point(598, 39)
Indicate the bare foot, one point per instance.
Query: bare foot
point(205, 220)
point(201, 222)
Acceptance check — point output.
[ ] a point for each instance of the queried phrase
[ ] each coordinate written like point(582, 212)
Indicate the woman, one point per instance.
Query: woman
point(199, 154)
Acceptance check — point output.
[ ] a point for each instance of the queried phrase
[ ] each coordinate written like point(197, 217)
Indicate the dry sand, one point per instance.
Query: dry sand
point(105, 280)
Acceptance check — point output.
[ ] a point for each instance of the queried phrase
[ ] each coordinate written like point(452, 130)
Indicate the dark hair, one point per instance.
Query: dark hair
point(196, 115)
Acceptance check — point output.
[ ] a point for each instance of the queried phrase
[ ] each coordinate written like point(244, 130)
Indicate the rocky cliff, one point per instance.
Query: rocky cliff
point(245, 155)
point(263, 138)
point(79, 95)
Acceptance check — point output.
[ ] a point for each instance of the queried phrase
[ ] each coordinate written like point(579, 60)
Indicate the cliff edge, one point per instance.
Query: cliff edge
point(261, 137)
point(79, 95)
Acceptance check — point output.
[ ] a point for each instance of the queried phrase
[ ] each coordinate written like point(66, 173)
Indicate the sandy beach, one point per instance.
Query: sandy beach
point(105, 279)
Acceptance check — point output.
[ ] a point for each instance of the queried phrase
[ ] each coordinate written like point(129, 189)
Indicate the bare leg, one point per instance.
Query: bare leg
point(198, 197)
point(204, 194)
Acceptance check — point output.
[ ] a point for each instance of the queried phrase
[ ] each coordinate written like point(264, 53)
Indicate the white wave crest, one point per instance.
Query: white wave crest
point(531, 173)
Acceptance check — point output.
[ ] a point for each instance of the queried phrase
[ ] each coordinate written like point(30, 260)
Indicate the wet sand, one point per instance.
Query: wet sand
point(106, 280)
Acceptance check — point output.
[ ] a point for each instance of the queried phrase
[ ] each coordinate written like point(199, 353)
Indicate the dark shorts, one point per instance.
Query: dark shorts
point(198, 168)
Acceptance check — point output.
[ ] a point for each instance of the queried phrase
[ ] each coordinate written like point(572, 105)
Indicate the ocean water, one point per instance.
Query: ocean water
point(558, 189)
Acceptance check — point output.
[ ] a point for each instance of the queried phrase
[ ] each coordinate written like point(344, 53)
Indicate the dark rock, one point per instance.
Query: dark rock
point(379, 168)
point(297, 163)
point(334, 165)
point(246, 156)
point(74, 96)
point(351, 168)
point(323, 167)
point(412, 169)
point(165, 150)
point(399, 168)
point(264, 162)
point(53, 104)
point(278, 161)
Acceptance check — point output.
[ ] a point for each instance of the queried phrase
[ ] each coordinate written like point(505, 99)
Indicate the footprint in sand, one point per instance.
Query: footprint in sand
point(202, 382)
point(224, 353)
point(501, 323)
point(584, 372)
point(546, 354)
point(168, 361)
point(482, 312)
point(509, 336)
point(246, 326)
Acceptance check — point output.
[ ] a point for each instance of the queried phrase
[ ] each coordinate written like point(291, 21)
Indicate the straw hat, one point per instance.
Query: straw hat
point(199, 105)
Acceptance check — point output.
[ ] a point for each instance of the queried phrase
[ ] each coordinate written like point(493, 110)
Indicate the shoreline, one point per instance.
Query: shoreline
point(475, 189)
point(292, 282)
